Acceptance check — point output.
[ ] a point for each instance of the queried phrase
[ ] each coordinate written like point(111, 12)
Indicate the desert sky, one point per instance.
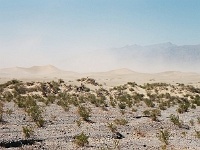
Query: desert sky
point(80, 35)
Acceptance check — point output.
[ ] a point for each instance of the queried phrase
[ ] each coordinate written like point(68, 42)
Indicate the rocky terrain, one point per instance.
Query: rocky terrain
point(87, 114)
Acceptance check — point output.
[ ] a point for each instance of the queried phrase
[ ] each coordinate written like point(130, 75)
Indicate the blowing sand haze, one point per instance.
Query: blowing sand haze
point(100, 75)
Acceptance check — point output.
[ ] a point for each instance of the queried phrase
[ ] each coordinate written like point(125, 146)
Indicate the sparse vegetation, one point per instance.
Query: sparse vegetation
point(1, 111)
point(197, 134)
point(156, 98)
point(112, 127)
point(164, 136)
point(121, 121)
point(175, 120)
point(81, 140)
point(27, 131)
point(84, 112)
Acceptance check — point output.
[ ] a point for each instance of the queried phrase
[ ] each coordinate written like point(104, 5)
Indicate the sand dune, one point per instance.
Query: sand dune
point(113, 77)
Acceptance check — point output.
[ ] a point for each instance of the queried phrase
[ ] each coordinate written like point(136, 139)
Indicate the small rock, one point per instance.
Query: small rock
point(117, 135)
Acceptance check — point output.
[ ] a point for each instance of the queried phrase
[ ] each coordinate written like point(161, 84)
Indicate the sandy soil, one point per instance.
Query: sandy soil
point(110, 100)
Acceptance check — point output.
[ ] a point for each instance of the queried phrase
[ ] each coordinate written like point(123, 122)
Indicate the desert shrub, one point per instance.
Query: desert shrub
point(50, 99)
point(35, 113)
point(183, 107)
point(64, 104)
point(113, 103)
point(193, 89)
point(8, 96)
point(137, 97)
point(54, 86)
point(196, 100)
point(146, 112)
point(154, 114)
point(163, 105)
point(78, 122)
point(184, 133)
point(8, 83)
point(122, 105)
point(134, 110)
point(31, 107)
point(164, 136)
point(193, 106)
point(98, 102)
point(198, 120)
point(81, 139)
point(125, 98)
point(121, 121)
point(192, 122)
point(84, 112)
point(74, 100)
point(27, 131)
point(60, 81)
point(197, 134)
point(122, 111)
point(112, 127)
point(175, 120)
point(9, 111)
point(1, 111)
point(149, 102)
point(133, 84)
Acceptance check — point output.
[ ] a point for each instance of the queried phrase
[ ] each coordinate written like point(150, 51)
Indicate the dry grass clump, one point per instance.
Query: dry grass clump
point(121, 121)
point(112, 127)
point(164, 136)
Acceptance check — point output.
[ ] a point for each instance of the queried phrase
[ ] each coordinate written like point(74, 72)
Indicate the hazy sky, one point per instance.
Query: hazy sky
point(59, 32)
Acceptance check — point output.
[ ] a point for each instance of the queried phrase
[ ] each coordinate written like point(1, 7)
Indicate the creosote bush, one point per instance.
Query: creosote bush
point(81, 140)
point(27, 131)
point(31, 107)
point(84, 112)
point(175, 120)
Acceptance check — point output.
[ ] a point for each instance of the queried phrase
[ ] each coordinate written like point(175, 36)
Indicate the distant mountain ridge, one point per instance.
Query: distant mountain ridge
point(159, 57)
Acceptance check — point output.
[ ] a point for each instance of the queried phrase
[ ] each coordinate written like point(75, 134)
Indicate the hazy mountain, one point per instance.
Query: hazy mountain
point(159, 57)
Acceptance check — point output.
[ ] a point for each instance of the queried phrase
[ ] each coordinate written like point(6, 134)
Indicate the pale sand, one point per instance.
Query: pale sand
point(110, 78)
point(61, 127)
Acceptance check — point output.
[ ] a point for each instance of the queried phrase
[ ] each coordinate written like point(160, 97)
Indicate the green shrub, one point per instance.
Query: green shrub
point(146, 113)
point(27, 131)
point(122, 105)
point(154, 114)
point(164, 136)
point(1, 111)
point(175, 120)
point(84, 112)
point(183, 107)
point(81, 139)
point(64, 104)
point(196, 100)
point(149, 102)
